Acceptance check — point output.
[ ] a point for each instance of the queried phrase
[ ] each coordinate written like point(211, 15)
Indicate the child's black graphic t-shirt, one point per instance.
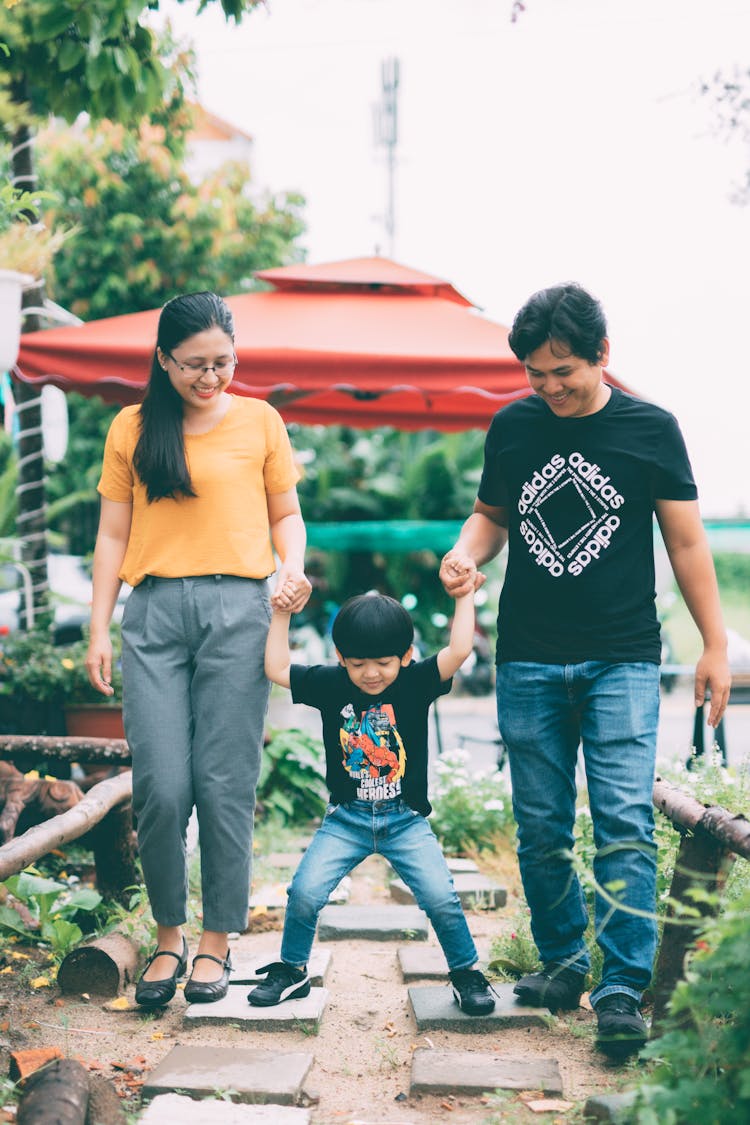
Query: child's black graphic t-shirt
point(580, 496)
point(376, 745)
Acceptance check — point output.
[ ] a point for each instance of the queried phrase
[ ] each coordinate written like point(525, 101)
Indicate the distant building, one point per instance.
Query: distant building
point(212, 142)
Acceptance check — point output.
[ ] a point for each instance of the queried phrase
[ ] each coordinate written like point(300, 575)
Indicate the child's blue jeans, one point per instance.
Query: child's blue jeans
point(348, 834)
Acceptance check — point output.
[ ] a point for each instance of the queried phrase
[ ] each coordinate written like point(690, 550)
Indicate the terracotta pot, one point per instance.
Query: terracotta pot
point(94, 721)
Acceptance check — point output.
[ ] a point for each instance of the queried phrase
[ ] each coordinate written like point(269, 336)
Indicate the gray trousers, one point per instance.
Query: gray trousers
point(194, 702)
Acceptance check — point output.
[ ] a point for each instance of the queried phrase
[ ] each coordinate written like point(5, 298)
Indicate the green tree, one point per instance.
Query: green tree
point(144, 231)
point(65, 57)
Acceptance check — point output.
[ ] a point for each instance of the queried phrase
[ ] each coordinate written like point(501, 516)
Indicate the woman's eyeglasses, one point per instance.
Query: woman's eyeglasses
point(221, 367)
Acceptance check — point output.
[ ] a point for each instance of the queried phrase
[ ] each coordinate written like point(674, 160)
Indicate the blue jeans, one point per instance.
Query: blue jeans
point(348, 834)
point(544, 712)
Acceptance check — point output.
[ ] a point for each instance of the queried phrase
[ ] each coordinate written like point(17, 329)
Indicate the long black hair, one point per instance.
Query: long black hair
point(159, 457)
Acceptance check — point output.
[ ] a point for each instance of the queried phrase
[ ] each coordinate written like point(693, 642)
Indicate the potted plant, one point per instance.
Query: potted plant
point(88, 713)
point(26, 249)
point(36, 673)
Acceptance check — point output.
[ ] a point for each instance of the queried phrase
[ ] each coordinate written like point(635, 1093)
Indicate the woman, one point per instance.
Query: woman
point(196, 484)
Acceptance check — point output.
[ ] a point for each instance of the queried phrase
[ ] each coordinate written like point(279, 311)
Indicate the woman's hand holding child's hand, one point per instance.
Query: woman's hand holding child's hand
point(291, 593)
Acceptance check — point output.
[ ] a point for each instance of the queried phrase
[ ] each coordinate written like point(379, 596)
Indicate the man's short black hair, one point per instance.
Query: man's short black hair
point(372, 625)
point(563, 314)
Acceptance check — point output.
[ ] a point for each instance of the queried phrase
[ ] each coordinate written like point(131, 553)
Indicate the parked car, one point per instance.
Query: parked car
point(70, 590)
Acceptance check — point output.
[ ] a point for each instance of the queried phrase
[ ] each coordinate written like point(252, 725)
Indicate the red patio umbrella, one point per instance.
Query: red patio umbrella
point(363, 342)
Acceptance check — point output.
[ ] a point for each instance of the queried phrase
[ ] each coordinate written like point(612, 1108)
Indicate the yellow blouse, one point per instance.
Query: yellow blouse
point(224, 529)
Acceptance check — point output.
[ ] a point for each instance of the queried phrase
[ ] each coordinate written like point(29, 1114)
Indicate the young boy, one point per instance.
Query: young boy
point(374, 708)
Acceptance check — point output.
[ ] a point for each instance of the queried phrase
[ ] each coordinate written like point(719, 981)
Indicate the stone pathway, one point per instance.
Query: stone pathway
point(269, 1085)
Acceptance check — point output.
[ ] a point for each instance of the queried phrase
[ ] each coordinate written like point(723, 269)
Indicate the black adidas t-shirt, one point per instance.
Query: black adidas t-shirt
point(580, 496)
point(376, 745)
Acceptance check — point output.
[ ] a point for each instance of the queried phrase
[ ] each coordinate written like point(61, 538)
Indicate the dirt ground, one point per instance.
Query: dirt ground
point(362, 1053)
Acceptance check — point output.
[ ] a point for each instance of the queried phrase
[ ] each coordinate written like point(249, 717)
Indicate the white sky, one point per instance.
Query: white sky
point(570, 145)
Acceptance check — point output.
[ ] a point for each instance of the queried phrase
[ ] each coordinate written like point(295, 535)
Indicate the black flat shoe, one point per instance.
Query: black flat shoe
point(156, 993)
point(206, 992)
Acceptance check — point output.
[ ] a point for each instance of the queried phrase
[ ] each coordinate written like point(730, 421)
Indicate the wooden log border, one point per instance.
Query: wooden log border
point(114, 751)
point(100, 800)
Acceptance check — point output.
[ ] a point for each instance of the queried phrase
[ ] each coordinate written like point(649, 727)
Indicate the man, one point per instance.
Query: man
point(572, 477)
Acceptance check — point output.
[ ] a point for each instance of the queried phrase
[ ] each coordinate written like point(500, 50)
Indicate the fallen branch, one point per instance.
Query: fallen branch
point(65, 749)
point(43, 838)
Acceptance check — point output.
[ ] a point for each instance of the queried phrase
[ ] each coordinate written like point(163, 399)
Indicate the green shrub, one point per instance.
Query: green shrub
point(292, 787)
point(51, 908)
point(469, 810)
point(514, 954)
point(702, 1060)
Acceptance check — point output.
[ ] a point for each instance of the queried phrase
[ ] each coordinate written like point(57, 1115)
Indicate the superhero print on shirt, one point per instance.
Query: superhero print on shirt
point(373, 751)
point(568, 512)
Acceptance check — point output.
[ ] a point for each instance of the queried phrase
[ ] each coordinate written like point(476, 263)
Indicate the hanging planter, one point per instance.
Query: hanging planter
point(12, 285)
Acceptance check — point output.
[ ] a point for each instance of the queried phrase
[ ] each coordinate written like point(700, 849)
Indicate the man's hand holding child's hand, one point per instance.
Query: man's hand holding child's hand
point(459, 575)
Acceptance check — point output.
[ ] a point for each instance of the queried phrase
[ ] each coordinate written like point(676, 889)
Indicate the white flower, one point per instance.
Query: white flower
point(492, 806)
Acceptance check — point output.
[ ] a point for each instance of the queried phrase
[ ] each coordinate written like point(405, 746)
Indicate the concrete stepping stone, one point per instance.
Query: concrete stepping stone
point(420, 963)
point(435, 1008)
point(610, 1107)
point(476, 892)
point(176, 1109)
point(456, 863)
point(270, 895)
point(293, 1015)
point(472, 1072)
point(341, 893)
point(245, 965)
point(252, 1075)
point(273, 895)
point(283, 859)
point(372, 923)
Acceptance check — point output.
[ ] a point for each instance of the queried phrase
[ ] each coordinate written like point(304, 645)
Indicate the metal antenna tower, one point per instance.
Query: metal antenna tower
point(385, 120)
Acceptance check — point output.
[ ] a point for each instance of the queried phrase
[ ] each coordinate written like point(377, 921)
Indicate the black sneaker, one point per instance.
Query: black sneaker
point(472, 991)
point(555, 987)
point(621, 1030)
point(283, 982)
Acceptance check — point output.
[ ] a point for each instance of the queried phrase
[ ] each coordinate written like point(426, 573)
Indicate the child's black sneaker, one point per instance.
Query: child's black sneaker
point(621, 1030)
point(283, 982)
point(472, 991)
point(555, 987)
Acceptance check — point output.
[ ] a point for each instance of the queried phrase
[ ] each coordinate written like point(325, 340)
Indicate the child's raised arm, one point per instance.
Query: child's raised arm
point(278, 656)
point(461, 640)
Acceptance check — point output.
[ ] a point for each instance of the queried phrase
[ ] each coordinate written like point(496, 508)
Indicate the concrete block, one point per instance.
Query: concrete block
point(456, 863)
point(251, 1075)
point(372, 923)
point(270, 895)
point(293, 1015)
point(245, 965)
point(288, 860)
point(176, 1109)
point(471, 1072)
point(476, 892)
point(427, 962)
point(273, 895)
point(434, 1007)
point(340, 894)
point(610, 1107)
